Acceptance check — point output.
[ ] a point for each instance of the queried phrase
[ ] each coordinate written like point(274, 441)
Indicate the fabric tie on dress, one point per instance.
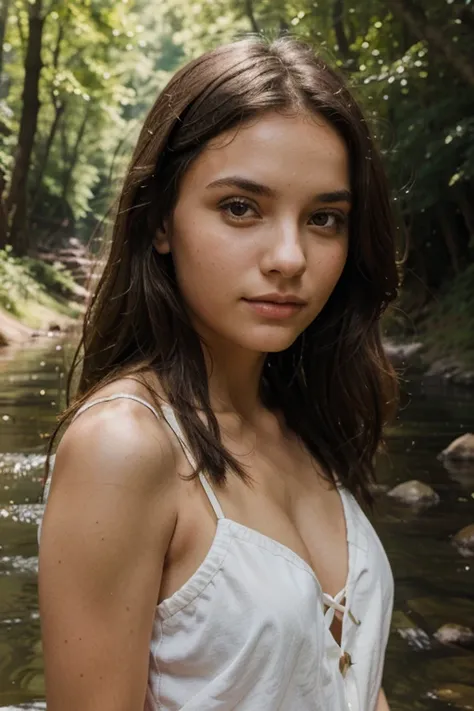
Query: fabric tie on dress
point(335, 604)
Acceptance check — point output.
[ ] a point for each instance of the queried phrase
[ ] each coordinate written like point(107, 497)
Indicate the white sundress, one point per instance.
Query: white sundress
point(249, 630)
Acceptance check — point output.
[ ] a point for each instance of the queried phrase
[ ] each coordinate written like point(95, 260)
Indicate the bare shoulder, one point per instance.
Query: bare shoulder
point(119, 441)
point(115, 463)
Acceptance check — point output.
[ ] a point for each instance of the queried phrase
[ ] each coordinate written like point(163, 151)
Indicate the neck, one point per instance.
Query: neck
point(234, 381)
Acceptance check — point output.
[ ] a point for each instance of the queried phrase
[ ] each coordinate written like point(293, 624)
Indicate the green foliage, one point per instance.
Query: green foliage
point(16, 283)
point(54, 278)
point(99, 63)
point(448, 329)
point(25, 280)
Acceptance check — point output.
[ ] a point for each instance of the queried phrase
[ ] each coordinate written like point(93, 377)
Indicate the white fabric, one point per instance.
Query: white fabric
point(249, 631)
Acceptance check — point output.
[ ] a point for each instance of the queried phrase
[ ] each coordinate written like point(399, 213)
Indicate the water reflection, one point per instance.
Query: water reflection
point(434, 583)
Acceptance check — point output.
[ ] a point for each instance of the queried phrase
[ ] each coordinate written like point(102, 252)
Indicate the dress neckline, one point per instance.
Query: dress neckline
point(226, 528)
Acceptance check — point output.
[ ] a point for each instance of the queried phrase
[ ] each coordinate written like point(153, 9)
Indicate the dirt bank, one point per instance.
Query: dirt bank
point(15, 332)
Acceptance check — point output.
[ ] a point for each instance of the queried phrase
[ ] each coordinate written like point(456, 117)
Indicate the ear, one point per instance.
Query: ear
point(161, 240)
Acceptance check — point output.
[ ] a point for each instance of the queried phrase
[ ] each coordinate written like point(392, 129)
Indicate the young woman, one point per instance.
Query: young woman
point(203, 546)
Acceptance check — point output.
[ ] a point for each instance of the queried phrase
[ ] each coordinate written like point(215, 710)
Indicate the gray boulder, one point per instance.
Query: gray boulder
point(415, 493)
point(458, 635)
point(461, 448)
point(464, 540)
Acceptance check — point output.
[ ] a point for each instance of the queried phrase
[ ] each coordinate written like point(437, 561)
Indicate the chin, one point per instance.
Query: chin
point(270, 342)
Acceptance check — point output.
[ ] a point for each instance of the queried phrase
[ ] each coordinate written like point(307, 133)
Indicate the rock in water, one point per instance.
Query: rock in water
point(464, 540)
point(407, 629)
point(460, 696)
point(462, 448)
point(415, 492)
point(455, 634)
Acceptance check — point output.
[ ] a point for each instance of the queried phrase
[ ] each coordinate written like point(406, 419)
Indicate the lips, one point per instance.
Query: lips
point(289, 299)
point(275, 307)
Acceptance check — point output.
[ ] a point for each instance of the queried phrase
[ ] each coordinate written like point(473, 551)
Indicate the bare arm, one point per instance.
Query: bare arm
point(109, 519)
point(382, 703)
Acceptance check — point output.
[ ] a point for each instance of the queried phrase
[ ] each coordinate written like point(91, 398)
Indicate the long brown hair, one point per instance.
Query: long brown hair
point(334, 385)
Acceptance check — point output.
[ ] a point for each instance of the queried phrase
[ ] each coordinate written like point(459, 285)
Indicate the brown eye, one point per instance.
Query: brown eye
point(324, 219)
point(328, 220)
point(237, 209)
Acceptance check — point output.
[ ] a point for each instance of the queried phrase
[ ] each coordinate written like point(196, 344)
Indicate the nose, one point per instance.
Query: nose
point(284, 251)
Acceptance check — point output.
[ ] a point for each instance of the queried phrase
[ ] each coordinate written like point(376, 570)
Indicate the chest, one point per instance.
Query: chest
point(288, 500)
point(292, 501)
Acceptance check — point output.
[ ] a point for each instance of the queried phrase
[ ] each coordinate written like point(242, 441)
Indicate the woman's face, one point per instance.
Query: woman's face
point(259, 234)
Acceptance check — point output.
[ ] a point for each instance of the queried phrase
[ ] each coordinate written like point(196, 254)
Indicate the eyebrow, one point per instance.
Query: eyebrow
point(250, 186)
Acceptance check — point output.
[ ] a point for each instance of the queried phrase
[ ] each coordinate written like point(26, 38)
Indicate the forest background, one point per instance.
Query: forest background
point(77, 77)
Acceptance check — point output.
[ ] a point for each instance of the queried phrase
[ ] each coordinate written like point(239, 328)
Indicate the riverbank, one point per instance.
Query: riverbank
point(418, 358)
point(14, 332)
point(36, 297)
point(435, 336)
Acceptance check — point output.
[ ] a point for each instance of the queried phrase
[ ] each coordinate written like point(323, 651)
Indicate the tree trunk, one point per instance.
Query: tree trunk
point(4, 7)
point(70, 161)
point(17, 199)
point(339, 30)
point(18, 237)
point(465, 200)
point(75, 155)
point(59, 111)
point(450, 239)
point(59, 107)
point(415, 18)
point(3, 214)
point(250, 14)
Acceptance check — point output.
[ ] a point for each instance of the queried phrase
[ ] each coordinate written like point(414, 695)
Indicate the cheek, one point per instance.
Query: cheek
point(329, 267)
point(205, 249)
point(205, 268)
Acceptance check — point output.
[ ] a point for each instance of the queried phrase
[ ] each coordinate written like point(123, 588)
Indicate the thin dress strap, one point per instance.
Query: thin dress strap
point(213, 500)
point(116, 396)
point(171, 419)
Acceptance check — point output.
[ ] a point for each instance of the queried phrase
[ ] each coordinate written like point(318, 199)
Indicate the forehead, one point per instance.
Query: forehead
point(282, 151)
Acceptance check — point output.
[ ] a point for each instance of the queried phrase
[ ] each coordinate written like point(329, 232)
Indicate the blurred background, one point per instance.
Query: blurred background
point(76, 80)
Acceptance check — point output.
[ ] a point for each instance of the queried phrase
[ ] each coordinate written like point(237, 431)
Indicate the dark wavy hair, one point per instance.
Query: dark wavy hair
point(334, 384)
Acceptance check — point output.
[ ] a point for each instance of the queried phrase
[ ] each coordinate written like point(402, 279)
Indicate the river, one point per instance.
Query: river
point(434, 583)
